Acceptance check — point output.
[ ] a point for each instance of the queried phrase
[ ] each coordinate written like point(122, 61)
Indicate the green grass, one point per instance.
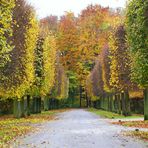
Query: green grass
point(112, 115)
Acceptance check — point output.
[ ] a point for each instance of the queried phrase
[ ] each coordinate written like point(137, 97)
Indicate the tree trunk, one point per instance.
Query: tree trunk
point(116, 104)
point(90, 102)
point(123, 104)
point(80, 96)
point(111, 103)
point(18, 108)
point(87, 100)
point(27, 105)
point(34, 105)
point(101, 104)
point(39, 104)
point(46, 103)
point(119, 104)
point(146, 104)
point(127, 104)
point(108, 103)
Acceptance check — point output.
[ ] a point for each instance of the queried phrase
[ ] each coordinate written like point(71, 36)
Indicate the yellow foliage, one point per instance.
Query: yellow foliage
point(49, 57)
point(27, 77)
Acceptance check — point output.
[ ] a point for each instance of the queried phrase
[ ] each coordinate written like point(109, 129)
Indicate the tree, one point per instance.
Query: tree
point(137, 35)
point(45, 58)
point(90, 28)
point(60, 90)
point(6, 10)
point(19, 71)
point(95, 83)
point(105, 62)
point(120, 67)
point(106, 75)
point(67, 40)
point(50, 23)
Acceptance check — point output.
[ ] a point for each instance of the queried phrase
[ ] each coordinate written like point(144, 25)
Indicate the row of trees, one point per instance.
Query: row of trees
point(121, 67)
point(96, 50)
point(28, 59)
point(100, 54)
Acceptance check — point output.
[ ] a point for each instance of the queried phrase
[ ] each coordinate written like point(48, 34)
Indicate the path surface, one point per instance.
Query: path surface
point(79, 129)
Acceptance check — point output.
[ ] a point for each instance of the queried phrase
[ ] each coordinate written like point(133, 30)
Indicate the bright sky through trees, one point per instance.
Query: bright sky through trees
point(58, 7)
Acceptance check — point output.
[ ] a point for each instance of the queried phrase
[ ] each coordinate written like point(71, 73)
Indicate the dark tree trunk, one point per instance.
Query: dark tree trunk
point(123, 104)
point(127, 104)
point(46, 103)
point(119, 103)
point(87, 100)
point(111, 103)
point(108, 103)
point(146, 104)
point(116, 104)
point(18, 108)
point(80, 96)
point(27, 105)
point(34, 105)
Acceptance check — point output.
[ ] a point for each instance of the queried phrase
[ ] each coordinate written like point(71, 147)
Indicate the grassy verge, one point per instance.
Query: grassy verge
point(10, 128)
point(111, 115)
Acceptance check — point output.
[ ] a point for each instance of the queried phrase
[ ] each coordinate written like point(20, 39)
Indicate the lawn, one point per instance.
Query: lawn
point(10, 128)
point(112, 115)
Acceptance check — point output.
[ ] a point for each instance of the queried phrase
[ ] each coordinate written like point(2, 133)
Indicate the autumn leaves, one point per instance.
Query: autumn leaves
point(102, 52)
point(30, 54)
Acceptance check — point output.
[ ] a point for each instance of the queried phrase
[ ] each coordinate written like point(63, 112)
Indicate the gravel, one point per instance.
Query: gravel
point(79, 129)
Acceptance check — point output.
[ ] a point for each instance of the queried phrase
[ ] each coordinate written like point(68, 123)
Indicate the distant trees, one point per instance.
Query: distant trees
point(67, 40)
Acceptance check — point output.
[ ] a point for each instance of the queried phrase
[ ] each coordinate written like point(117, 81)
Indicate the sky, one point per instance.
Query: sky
point(58, 7)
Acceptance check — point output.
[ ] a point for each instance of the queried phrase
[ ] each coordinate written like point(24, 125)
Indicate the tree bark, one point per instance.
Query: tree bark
point(80, 96)
point(27, 105)
point(108, 103)
point(18, 108)
point(146, 104)
point(34, 105)
point(123, 104)
point(46, 103)
point(111, 103)
point(87, 100)
point(119, 104)
point(116, 104)
point(127, 104)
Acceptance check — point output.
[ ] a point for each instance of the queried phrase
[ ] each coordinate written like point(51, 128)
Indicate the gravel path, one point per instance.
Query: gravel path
point(79, 129)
